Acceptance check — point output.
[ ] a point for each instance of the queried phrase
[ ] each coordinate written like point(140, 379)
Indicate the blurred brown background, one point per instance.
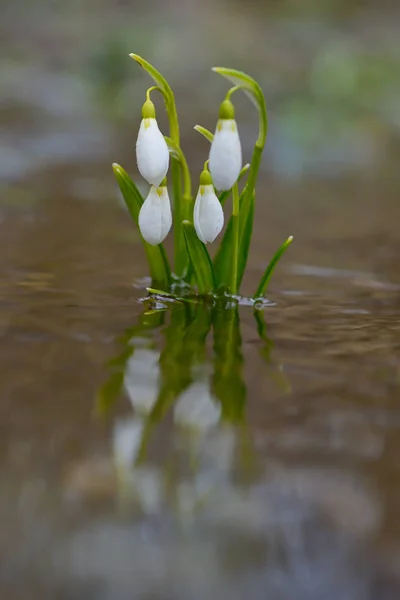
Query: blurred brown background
point(71, 97)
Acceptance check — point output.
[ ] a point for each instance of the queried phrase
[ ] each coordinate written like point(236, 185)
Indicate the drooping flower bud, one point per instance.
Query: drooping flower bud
point(152, 153)
point(226, 150)
point(155, 217)
point(208, 216)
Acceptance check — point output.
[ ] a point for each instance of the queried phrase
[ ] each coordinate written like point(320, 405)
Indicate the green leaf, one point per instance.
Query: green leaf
point(245, 233)
point(156, 255)
point(156, 75)
point(262, 286)
point(223, 258)
point(170, 296)
point(200, 259)
point(255, 93)
point(205, 132)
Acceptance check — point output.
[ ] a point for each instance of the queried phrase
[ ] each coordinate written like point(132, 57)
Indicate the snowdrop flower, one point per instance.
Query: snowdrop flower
point(226, 150)
point(155, 217)
point(152, 152)
point(208, 216)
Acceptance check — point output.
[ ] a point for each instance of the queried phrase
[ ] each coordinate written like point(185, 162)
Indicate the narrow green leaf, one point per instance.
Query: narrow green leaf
point(200, 259)
point(222, 263)
point(245, 233)
point(156, 255)
point(262, 286)
point(152, 71)
point(170, 296)
point(205, 132)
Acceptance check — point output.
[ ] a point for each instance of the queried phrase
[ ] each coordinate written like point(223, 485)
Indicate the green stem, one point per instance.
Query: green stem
point(254, 166)
point(235, 248)
point(173, 118)
point(187, 181)
point(182, 202)
point(152, 89)
point(232, 91)
point(179, 242)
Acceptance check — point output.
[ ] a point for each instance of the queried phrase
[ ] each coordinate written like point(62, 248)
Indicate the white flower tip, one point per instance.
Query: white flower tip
point(208, 215)
point(225, 155)
point(152, 152)
point(155, 217)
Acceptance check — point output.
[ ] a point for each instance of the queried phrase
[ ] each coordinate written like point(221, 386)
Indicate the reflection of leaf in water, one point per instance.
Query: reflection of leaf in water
point(179, 375)
point(228, 382)
point(185, 338)
point(109, 392)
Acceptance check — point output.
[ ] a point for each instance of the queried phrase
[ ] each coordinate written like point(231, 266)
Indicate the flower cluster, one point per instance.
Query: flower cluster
point(198, 218)
point(221, 172)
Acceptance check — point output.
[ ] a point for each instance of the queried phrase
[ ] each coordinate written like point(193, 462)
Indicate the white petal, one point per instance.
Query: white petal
point(155, 216)
point(152, 153)
point(208, 216)
point(166, 214)
point(197, 408)
point(225, 155)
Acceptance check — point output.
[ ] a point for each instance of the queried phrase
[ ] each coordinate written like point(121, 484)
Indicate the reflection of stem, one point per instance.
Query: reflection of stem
point(247, 454)
point(235, 246)
point(229, 385)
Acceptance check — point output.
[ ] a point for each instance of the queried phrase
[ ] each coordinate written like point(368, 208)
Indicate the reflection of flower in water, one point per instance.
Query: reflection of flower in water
point(196, 408)
point(196, 414)
point(142, 378)
point(127, 439)
point(211, 447)
point(143, 483)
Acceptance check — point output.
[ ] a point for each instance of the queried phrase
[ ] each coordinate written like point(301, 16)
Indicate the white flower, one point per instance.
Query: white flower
point(208, 216)
point(152, 153)
point(155, 218)
point(197, 408)
point(225, 155)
